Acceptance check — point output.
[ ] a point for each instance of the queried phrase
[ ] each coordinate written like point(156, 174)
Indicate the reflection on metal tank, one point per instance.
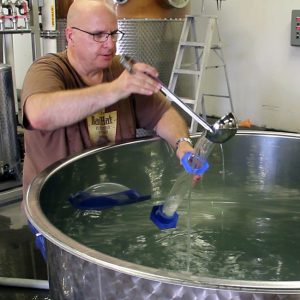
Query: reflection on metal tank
point(9, 149)
point(247, 211)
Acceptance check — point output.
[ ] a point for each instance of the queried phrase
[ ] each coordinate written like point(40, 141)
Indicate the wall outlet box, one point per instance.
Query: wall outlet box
point(295, 28)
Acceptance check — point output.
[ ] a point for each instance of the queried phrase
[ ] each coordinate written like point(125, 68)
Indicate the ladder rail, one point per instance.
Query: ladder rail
point(196, 48)
point(179, 54)
point(204, 62)
point(198, 68)
point(228, 83)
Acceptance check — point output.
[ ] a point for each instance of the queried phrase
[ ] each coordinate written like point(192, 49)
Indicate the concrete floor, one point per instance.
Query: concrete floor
point(19, 258)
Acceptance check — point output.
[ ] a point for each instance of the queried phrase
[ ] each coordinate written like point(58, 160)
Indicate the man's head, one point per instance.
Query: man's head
point(87, 23)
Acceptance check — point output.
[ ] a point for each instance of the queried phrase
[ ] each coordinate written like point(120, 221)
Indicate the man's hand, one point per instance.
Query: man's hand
point(140, 80)
point(183, 148)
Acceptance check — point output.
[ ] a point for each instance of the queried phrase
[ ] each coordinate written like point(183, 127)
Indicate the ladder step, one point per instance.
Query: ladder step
point(192, 44)
point(187, 72)
point(198, 45)
point(188, 101)
point(192, 101)
point(215, 67)
point(215, 95)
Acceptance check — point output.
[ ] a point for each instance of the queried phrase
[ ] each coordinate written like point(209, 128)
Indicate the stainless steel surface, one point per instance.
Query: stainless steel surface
point(224, 129)
point(10, 195)
point(79, 272)
point(153, 41)
point(10, 60)
point(61, 39)
point(94, 281)
point(9, 149)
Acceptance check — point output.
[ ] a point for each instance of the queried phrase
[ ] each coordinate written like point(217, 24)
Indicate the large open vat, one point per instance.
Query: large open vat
point(249, 203)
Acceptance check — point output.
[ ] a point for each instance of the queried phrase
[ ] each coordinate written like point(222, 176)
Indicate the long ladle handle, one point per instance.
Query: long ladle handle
point(186, 108)
point(127, 62)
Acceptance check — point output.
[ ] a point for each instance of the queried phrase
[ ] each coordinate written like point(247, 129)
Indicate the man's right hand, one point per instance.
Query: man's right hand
point(141, 80)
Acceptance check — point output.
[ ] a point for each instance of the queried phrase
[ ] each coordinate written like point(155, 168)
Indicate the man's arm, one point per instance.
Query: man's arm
point(49, 111)
point(172, 127)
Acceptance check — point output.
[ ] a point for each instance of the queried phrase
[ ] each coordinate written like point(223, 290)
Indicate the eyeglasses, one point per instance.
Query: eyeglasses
point(101, 37)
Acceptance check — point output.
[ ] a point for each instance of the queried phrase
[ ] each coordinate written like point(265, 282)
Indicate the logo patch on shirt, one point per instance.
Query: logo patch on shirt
point(102, 124)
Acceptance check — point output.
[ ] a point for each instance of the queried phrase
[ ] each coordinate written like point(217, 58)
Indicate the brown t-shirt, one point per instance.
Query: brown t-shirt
point(116, 123)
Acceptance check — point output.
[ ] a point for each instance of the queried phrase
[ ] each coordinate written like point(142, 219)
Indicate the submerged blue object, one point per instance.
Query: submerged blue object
point(89, 201)
point(194, 163)
point(161, 220)
point(39, 240)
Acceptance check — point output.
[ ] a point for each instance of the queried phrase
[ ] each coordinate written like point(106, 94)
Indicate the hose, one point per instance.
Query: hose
point(24, 283)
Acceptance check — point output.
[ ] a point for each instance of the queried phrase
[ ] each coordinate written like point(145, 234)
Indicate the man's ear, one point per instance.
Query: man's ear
point(69, 35)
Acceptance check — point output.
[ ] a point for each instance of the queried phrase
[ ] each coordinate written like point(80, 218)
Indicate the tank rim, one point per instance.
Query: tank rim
point(55, 236)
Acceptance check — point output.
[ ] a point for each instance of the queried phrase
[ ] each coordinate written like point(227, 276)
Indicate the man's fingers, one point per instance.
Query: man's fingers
point(144, 68)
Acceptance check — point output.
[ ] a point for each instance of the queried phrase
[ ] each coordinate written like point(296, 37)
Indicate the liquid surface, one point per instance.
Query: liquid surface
point(234, 234)
point(240, 222)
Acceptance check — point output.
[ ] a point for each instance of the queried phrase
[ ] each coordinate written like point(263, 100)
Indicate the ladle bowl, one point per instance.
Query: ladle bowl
point(223, 130)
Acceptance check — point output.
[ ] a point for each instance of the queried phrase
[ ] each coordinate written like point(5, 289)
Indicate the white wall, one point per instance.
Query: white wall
point(22, 57)
point(262, 65)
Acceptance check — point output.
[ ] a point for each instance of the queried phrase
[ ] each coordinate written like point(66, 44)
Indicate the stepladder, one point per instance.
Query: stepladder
point(200, 51)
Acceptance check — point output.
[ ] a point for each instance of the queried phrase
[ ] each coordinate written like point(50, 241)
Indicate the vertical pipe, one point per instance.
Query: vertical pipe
point(35, 31)
point(24, 283)
point(49, 27)
point(9, 154)
point(1, 48)
point(1, 35)
point(10, 60)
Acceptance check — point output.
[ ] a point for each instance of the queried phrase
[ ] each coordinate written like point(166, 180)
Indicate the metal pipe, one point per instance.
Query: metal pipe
point(49, 33)
point(10, 196)
point(35, 31)
point(14, 15)
point(1, 16)
point(10, 60)
point(14, 31)
point(25, 283)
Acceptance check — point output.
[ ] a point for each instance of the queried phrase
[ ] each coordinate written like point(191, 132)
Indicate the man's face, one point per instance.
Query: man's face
point(90, 53)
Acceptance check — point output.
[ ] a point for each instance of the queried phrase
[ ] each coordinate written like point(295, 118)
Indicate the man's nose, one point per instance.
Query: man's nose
point(109, 42)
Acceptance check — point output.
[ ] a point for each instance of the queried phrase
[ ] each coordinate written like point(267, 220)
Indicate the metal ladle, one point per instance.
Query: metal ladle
point(220, 132)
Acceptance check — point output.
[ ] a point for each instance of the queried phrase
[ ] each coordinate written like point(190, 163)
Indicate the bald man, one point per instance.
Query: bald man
point(82, 97)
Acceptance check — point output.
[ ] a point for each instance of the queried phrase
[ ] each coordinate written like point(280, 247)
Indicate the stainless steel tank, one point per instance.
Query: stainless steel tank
point(10, 159)
point(257, 171)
